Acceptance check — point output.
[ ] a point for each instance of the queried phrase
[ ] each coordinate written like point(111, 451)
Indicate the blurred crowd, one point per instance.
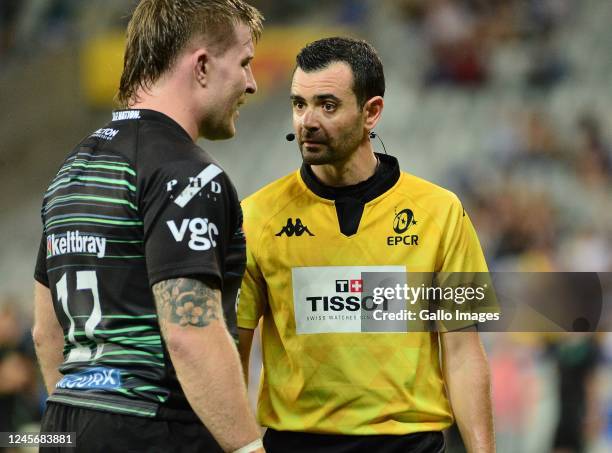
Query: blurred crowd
point(544, 204)
point(28, 25)
point(462, 35)
point(21, 392)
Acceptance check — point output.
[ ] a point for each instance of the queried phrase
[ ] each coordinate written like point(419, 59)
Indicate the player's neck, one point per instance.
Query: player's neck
point(360, 166)
point(162, 101)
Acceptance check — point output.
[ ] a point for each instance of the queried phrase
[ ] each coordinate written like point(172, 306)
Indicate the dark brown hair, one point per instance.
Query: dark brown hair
point(368, 74)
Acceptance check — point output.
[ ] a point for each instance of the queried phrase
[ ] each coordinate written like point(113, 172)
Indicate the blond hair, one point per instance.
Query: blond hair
point(160, 29)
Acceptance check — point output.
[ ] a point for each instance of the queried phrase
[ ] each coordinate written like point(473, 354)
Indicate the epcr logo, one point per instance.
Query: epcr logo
point(403, 220)
point(202, 232)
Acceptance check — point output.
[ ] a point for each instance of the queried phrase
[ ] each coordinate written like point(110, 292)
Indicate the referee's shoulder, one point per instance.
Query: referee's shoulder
point(427, 193)
point(270, 199)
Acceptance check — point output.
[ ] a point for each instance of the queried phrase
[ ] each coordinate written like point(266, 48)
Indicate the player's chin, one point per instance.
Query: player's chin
point(223, 132)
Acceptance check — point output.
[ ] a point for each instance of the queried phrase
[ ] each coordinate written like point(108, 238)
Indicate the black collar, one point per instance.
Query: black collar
point(385, 177)
point(148, 115)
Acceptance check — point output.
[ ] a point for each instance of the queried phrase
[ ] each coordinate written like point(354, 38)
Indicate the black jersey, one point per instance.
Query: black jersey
point(135, 203)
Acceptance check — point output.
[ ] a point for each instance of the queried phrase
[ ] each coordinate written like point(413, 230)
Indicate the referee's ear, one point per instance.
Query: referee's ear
point(372, 110)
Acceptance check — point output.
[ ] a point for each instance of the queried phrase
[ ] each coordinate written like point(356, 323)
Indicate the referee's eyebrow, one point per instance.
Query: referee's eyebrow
point(318, 97)
point(325, 97)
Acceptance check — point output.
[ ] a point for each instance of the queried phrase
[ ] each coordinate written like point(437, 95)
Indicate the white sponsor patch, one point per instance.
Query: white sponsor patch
point(197, 183)
point(126, 115)
point(203, 233)
point(93, 378)
point(75, 242)
point(106, 134)
point(329, 299)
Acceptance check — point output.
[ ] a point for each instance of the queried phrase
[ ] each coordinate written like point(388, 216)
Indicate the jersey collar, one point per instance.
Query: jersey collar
point(148, 115)
point(386, 176)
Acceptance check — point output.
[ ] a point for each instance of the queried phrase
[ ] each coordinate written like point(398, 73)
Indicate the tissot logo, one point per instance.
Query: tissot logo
point(334, 299)
point(346, 286)
point(296, 229)
point(402, 221)
point(326, 301)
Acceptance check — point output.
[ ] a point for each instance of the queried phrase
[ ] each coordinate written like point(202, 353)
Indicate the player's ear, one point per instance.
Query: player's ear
point(201, 66)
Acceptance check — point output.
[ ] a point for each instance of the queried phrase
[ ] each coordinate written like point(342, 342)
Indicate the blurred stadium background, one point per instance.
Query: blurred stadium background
point(506, 102)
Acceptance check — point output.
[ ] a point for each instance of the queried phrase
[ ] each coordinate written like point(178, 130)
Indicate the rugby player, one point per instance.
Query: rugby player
point(143, 252)
point(328, 385)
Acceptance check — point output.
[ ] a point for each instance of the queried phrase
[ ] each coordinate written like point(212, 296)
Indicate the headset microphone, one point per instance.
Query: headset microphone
point(290, 137)
point(373, 135)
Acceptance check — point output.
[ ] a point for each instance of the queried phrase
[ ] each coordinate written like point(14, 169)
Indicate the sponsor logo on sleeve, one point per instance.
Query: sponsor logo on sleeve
point(196, 184)
point(202, 233)
point(73, 242)
point(213, 188)
point(105, 134)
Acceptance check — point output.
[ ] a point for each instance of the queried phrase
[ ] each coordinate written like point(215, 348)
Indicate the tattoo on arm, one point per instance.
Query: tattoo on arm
point(187, 302)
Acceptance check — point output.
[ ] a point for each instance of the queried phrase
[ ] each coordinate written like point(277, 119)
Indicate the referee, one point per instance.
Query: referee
point(143, 252)
point(330, 383)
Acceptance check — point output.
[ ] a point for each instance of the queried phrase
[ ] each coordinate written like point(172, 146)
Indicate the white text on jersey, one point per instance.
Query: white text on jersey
point(75, 242)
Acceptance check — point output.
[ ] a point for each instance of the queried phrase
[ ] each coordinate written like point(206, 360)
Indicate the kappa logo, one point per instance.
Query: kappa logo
point(294, 230)
point(402, 221)
point(203, 233)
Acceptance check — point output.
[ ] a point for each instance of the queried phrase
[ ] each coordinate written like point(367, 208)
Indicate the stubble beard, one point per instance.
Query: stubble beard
point(223, 128)
point(333, 150)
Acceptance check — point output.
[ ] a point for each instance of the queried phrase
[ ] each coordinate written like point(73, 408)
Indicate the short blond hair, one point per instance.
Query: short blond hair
point(159, 30)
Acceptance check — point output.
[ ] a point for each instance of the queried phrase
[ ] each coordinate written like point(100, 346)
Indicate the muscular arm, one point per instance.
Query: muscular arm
point(205, 359)
point(466, 373)
point(245, 340)
point(48, 337)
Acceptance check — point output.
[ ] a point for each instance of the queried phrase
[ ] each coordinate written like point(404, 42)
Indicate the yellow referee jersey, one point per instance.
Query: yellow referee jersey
point(322, 372)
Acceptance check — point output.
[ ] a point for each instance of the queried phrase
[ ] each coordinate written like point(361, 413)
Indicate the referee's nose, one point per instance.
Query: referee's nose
point(310, 121)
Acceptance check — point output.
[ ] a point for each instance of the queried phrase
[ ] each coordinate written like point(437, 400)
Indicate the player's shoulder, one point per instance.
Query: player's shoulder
point(272, 198)
point(427, 194)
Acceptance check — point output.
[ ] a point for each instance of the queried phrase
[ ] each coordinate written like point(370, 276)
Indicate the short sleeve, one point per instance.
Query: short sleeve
point(40, 271)
point(461, 251)
point(463, 272)
point(252, 299)
point(185, 220)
